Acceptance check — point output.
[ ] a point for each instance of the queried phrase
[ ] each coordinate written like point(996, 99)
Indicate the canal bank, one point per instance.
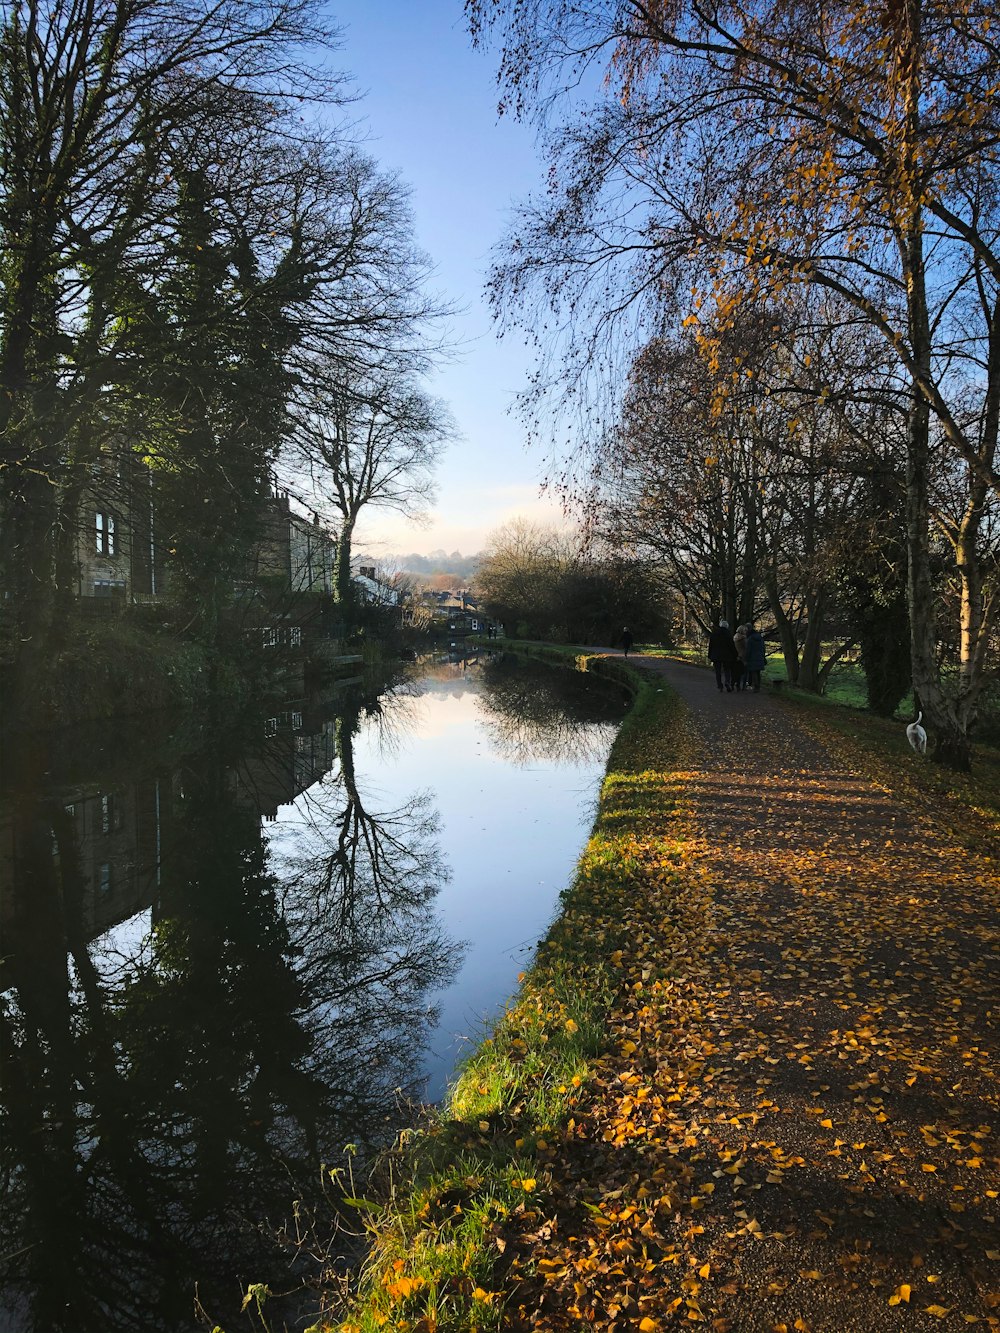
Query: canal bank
point(751, 1080)
point(442, 1252)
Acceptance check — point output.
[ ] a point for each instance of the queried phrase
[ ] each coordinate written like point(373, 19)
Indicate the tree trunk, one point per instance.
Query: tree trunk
point(810, 677)
point(952, 744)
point(786, 630)
point(27, 571)
point(67, 568)
point(343, 589)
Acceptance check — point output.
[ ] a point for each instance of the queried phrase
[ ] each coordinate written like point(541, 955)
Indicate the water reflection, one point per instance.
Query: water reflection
point(163, 1109)
point(533, 716)
point(228, 953)
point(517, 793)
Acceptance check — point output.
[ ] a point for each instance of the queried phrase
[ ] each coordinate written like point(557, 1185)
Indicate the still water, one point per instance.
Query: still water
point(231, 955)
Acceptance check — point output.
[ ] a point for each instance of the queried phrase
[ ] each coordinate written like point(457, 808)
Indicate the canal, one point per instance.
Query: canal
point(234, 959)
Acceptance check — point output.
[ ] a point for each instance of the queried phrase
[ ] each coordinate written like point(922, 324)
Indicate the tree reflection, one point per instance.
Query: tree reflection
point(160, 1117)
point(44, 1183)
point(373, 874)
point(551, 716)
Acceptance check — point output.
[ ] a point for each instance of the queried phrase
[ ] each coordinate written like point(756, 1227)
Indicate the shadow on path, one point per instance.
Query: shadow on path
point(808, 1128)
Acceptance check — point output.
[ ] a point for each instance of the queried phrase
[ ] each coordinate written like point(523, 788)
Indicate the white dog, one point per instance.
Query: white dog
point(916, 735)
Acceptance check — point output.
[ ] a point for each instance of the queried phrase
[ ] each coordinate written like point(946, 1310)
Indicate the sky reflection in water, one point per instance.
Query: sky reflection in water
point(511, 757)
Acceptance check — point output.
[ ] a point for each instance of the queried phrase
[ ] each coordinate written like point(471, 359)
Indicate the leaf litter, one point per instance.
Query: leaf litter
point(794, 1124)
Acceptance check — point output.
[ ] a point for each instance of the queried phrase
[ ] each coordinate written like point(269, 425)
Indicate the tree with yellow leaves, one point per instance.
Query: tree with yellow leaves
point(745, 150)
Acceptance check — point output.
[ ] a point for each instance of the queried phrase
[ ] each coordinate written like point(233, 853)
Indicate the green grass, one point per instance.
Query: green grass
point(846, 687)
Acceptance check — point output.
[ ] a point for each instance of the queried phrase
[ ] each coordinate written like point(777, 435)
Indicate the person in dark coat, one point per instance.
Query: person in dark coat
point(626, 639)
point(756, 656)
point(723, 655)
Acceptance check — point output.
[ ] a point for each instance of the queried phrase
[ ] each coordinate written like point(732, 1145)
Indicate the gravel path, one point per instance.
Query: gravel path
point(831, 1106)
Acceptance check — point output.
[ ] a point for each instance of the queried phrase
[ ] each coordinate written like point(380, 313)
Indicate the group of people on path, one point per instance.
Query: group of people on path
point(738, 657)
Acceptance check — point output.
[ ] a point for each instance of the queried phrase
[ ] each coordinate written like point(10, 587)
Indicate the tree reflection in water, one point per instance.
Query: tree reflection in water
point(358, 891)
point(534, 716)
point(161, 1115)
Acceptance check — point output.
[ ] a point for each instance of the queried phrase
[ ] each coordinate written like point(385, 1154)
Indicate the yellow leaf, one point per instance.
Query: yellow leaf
point(484, 1125)
point(405, 1287)
point(902, 1293)
point(938, 1311)
point(704, 1270)
point(572, 1027)
point(648, 1325)
point(527, 1184)
point(993, 1254)
point(801, 1326)
point(926, 1166)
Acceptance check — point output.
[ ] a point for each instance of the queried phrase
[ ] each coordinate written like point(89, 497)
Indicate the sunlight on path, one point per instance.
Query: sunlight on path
point(798, 1129)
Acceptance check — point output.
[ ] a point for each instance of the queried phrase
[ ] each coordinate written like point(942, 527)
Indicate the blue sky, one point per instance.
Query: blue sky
point(429, 111)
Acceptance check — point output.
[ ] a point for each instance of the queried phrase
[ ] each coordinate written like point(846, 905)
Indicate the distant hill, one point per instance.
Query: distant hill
point(437, 562)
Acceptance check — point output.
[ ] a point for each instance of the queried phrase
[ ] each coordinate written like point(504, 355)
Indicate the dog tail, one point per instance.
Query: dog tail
point(920, 715)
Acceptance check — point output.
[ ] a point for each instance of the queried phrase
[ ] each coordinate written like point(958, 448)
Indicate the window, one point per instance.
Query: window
point(105, 532)
point(109, 588)
point(110, 816)
point(282, 636)
point(104, 877)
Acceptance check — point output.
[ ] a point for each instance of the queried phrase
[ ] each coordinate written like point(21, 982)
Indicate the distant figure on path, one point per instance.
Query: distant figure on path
point(722, 654)
point(626, 639)
point(756, 656)
point(740, 671)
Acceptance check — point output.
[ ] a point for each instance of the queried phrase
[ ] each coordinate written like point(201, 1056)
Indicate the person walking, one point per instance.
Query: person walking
point(722, 655)
point(626, 639)
point(756, 656)
point(740, 670)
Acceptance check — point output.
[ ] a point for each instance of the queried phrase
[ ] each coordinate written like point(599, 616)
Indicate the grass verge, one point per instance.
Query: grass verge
point(450, 1192)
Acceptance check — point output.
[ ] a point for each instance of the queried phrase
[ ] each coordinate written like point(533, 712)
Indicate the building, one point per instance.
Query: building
point(121, 555)
point(118, 554)
point(295, 552)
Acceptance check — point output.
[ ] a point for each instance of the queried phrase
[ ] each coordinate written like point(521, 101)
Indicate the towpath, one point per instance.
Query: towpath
point(798, 1127)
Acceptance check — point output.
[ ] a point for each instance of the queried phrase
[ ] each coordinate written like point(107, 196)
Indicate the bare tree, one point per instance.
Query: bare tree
point(368, 442)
